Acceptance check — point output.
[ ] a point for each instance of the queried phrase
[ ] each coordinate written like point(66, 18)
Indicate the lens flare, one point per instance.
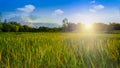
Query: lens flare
point(88, 26)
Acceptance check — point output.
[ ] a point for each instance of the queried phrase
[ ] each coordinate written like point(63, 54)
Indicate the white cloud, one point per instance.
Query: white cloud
point(96, 8)
point(99, 7)
point(58, 12)
point(27, 8)
point(25, 16)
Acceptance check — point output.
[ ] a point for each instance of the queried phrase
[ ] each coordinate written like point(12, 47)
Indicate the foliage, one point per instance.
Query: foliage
point(66, 27)
point(0, 27)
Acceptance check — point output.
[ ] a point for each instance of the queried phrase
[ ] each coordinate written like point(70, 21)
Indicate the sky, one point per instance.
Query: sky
point(54, 11)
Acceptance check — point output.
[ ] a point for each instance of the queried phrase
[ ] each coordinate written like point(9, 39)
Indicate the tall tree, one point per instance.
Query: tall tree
point(5, 21)
point(0, 27)
point(0, 17)
point(65, 24)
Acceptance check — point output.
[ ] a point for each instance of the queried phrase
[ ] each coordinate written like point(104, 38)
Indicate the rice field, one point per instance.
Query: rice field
point(59, 50)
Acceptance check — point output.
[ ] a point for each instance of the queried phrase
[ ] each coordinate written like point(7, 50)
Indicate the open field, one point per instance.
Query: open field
point(59, 50)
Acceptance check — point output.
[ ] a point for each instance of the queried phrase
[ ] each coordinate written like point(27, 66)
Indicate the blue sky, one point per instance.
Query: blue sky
point(54, 11)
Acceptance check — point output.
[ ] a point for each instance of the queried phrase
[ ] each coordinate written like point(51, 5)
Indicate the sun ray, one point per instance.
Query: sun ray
point(88, 26)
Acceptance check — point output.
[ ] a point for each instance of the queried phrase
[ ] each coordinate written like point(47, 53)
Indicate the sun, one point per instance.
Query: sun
point(88, 26)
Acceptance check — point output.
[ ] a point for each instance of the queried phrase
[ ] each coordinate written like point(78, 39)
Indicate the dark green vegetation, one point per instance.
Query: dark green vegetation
point(59, 50)
point(66, 27)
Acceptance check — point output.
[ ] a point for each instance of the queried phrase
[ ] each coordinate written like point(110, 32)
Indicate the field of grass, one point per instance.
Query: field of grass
point(59, 50)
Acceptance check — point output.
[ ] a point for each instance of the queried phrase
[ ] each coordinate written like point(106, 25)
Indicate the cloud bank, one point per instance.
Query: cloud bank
point(27, 8)
point(96, 7)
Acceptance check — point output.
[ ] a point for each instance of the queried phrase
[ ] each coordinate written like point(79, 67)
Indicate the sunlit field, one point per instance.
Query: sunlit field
point(59, 50)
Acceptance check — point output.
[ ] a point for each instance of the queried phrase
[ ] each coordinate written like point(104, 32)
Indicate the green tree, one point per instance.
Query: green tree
point(65, 24)
point(26, 28)
point(0, 27)
point(71, 27)
point(6, 27)
point(0, 17)
point(100, 27)
point(21, 29)
point(114, 26)
point(14, 28)
point(5, 21)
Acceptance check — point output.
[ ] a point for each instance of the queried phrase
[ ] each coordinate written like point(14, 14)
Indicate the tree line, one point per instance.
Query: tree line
point(17, 27)
point(66, 27)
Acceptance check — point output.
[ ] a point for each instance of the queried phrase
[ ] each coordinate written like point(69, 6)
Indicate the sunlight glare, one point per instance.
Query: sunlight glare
point(88, 26)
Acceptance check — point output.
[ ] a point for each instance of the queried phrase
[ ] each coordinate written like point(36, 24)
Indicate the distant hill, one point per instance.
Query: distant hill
point(51, 25)
point(38, 24)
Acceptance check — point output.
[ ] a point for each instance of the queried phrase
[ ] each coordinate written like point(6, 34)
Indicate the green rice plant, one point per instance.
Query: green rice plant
point(59, 50)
